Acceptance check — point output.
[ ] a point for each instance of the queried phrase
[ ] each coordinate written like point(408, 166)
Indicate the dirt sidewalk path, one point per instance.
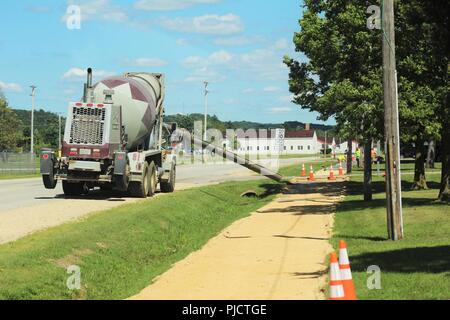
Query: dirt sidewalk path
point(276, 253)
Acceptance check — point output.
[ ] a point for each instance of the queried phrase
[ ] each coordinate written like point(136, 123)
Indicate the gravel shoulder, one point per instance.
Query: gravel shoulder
point(278, 253)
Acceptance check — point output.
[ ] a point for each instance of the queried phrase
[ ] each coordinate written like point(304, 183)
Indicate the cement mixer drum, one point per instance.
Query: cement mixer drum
point(139, 95)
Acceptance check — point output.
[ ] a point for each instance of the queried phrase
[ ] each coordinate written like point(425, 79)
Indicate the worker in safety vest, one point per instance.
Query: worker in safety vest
point(358, 157)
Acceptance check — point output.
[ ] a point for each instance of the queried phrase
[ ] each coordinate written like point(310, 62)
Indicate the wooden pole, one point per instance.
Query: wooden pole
point(393, 175)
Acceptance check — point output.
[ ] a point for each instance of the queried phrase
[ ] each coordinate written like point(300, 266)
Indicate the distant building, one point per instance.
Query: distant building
point(294, 142)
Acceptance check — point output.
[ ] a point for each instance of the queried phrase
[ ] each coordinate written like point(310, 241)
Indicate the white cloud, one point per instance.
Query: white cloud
point(256, 65)
point(169, 5)
point(248, 90)
point(220, 57)
point(207, 24)
point(280, 110)
point(288, 98)
point(12, 87)
point(216, 58)
point(281, 44)
point(262, 64)
point(181, 42)
point(79, 73)
point(237, 40)
point(99, 10)
point(146, 62)
point(272, 89)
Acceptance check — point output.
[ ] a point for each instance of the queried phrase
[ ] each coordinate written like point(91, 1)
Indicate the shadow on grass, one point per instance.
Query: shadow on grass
point(355, 188)
point(409, 260)
point(377, 239)
point(271, 189)
point(381, 203)
point(303, 210)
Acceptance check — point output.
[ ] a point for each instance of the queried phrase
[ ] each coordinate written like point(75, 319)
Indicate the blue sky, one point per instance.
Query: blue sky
point(236, 45)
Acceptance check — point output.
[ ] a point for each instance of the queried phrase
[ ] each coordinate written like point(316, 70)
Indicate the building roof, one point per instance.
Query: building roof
point(260, 134)
point(300, 134)
point(322, 140)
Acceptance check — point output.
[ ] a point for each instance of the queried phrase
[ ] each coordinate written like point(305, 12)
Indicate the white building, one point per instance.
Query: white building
point(293, 142)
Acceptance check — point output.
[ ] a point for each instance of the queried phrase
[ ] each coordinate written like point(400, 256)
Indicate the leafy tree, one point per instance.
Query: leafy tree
point(342, 76)
point(9, 122)
point(418, 101)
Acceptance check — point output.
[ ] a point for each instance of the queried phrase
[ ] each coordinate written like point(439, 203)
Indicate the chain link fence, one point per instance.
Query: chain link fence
point(12, 164)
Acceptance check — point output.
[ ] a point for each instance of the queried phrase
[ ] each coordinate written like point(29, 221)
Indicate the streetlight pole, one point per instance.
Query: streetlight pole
point(33, 95)
point(59, 135)
point(206, 109)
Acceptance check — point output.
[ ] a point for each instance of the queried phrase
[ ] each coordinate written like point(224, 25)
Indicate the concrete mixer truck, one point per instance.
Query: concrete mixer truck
point(115, 139)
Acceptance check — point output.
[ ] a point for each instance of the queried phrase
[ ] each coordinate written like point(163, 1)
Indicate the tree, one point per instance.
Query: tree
point(426, 33)
point(9, 124)
point(419, 101)
point(342, 77)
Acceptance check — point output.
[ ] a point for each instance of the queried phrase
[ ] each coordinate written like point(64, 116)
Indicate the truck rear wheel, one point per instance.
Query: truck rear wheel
point(169, 185)
point(73, 189)
point(140, 189)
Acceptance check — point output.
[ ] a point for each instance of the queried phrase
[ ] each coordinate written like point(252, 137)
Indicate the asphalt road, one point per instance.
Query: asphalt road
point(26, 206)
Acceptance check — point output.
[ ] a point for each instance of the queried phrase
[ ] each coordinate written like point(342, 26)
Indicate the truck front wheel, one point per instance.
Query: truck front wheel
point(169, 185)
point(73, 189)
point(139, 189)
point(152, 179)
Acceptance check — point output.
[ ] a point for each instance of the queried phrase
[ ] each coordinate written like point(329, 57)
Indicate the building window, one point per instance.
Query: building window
point(309, 147)
point(292, 148)
point(248, 148)
point(284, 148)
point(298, 147)
point(257, 148)
point(301, 148)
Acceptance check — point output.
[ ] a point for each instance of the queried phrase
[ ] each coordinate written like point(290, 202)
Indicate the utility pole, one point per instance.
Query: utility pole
point(206, 109)
point(392, 143)
point(33, 94)
point(59, 135)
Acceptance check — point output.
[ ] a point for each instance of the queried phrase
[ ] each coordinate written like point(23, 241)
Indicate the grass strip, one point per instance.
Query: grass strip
point(121, 250)
point(417, 267)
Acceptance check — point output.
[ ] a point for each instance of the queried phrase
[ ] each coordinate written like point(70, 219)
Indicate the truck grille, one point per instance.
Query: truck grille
point(87, 125)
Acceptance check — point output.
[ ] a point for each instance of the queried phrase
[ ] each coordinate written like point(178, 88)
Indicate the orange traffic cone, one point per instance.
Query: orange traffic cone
point(303, 170)
point(346, 272)
point(311, 174)
point(336, 286)
point(341, 170)
point(331, 176)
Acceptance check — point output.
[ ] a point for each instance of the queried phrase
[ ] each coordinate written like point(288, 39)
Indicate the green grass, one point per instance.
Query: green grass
point(121, 250)
point(417, 267)
point(9, 176)
point(295, 170)
point(407, 166)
